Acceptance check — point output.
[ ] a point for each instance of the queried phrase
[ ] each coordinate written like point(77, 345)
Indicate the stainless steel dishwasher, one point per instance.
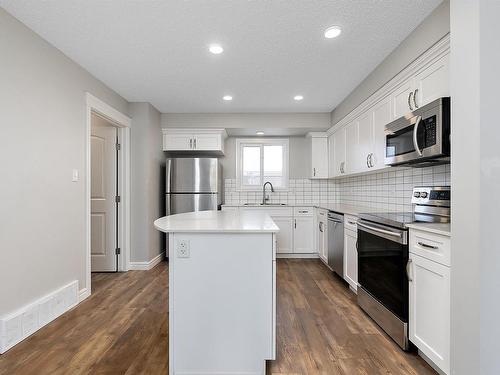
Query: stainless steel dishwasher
point(336, 242)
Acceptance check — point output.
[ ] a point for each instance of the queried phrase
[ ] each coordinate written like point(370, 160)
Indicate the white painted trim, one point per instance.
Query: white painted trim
point(145, 266)
point(298, 256)
point(123, 123)
point(22, 323)
point(83, 294)
point(285, 142)
point(438, 50)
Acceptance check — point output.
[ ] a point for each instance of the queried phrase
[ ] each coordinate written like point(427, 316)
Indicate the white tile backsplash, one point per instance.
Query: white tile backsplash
point(388, 191)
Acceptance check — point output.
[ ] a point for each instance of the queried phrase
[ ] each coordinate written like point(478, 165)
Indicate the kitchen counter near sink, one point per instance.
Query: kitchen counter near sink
point(222, 291)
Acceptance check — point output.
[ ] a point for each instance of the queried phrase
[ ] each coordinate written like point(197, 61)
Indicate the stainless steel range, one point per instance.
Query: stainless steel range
point(383, 259)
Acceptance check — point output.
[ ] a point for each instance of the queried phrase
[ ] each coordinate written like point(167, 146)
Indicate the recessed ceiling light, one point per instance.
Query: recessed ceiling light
point(227, 98)
point(216, 49)
point(332, 32)
point(298, 97)
point(260, 133)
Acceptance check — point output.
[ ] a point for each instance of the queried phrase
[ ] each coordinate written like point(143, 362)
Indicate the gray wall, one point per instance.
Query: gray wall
point(246, 120)
point(299, 155)
point(147, 194)
point(475, 262)
point(432, 29)
point(42, 124)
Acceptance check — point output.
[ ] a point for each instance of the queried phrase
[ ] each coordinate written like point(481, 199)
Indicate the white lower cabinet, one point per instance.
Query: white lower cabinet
point(303, 235)
point(285, 236)
point(351, 259)
point(429, 307)
point(322, 234)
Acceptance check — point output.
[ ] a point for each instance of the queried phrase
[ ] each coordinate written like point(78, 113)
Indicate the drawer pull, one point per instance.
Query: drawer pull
point(303, 212)
point(351, 222)
point(428, 246)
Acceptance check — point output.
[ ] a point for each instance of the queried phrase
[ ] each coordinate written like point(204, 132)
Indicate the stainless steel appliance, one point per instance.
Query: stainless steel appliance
point(193, 184)
point(383, 259)
point(336, 242)
point(420, 138)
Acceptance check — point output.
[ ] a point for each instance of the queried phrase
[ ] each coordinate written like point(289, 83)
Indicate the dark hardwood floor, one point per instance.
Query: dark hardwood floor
point(123, 329)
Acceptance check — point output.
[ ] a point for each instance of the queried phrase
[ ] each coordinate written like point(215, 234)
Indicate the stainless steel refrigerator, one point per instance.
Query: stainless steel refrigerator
point(193, 184)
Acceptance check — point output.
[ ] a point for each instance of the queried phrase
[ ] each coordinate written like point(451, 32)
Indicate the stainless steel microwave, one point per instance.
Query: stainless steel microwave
point(420, 138)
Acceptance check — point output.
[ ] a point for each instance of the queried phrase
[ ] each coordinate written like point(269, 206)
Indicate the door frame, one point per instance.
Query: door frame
point(123, 123)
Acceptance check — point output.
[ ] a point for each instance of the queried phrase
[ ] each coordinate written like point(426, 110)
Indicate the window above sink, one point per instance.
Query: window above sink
point(261, 160)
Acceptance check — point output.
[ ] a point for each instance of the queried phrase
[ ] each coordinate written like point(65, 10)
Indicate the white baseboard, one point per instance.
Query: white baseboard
point(22, 323)
point(145, 266)
point(83, 294)
point(297, 256)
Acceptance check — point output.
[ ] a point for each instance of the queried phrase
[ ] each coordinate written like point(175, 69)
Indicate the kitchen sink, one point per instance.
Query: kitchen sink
point(265, 205)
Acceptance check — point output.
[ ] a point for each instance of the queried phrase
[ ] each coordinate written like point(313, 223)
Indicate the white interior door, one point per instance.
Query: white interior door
point(103, 222)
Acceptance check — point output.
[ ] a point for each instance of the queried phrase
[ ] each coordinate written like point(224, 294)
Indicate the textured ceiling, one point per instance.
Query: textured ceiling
point(156, 51)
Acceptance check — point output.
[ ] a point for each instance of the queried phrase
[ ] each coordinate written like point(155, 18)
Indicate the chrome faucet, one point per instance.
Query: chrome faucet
point(264, 198)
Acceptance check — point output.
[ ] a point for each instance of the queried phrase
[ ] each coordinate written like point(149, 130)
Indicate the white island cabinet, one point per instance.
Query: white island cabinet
point(222, 291)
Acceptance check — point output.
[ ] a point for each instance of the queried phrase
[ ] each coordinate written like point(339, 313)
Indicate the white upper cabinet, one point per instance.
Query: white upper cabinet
point(356, 144)
point(194, 140)
point(402, 99)
point(339, 152)
point(428, 84)
point(432, 82)
point(352, 156)
point(381, 116)
point(319, 155)
point(365, 141)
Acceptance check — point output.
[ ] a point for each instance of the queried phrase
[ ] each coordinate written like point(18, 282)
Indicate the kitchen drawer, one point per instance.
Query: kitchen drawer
point(322, 213)
point(303, 211)
point(271, 211)
point(351, 223)
point(431, 246)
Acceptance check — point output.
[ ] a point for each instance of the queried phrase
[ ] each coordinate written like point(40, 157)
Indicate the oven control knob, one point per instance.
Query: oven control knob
point(423, 194)
point(416, 194)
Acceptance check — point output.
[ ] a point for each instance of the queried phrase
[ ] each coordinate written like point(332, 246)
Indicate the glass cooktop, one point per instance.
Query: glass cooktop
point(400, 219)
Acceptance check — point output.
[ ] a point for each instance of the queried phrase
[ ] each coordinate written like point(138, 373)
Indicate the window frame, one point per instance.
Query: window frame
point(241, 142)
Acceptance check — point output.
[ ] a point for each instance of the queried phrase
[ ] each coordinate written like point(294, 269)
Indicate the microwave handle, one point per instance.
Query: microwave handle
point(415, 140)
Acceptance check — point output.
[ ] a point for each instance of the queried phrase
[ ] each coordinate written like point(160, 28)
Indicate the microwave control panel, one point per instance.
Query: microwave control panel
point(430, 131)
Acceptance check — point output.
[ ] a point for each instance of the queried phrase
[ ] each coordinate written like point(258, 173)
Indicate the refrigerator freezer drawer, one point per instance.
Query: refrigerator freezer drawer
point(180, 203)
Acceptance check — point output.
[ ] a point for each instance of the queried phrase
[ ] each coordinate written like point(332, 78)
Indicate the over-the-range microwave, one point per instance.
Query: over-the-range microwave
point(420, 138)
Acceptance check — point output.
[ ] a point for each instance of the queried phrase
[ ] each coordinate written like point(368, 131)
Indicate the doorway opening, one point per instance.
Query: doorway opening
point(107, 190)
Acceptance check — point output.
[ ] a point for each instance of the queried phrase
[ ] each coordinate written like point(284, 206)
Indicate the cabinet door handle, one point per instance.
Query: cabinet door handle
point(190, 143)
point(295, 223)
point(415, 98)
point(370, 156)
point(408, 270)
point(194, 143)
point(409, 101)
point(314, 172)
point(428, 246)
point(368, 160)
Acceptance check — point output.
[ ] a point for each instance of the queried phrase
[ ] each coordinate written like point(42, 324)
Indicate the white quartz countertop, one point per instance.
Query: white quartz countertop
point(438, 228)
point(340, 208)
point(217, 222)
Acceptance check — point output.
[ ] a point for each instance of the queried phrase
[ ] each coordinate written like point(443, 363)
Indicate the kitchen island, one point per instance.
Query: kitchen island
point(222, 291)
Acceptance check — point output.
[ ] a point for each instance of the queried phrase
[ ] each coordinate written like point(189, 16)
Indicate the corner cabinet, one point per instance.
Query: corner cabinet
point(194, 140)
point(429, 292)
point(318, 143)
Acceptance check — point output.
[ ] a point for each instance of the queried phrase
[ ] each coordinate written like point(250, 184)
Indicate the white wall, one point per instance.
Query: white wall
point(432, 29)
point(475, 262)
point(147, 187)
point(42, 127)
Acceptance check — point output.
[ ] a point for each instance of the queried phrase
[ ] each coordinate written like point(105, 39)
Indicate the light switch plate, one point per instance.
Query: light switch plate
point(74, 176)
point(183, 249)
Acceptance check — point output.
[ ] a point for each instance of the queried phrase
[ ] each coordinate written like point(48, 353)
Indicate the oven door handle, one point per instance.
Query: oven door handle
point(383, 231)
point(415, 140)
